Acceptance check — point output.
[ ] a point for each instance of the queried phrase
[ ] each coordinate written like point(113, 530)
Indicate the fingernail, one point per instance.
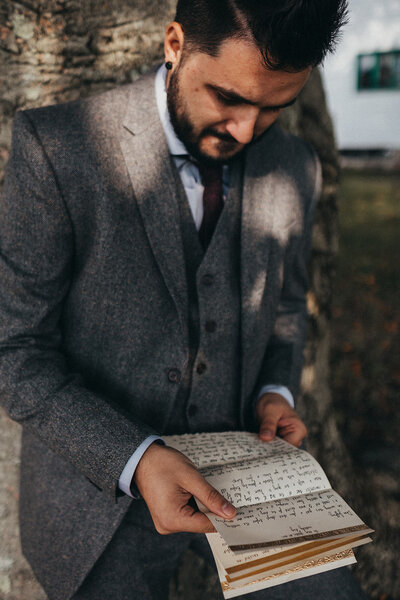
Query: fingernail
point(228, 509)
point(268, 433)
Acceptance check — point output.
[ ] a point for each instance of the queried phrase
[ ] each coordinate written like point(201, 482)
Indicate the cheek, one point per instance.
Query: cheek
point(200, 107)
point(208, 109)
point(265, 120)
point(268, 118)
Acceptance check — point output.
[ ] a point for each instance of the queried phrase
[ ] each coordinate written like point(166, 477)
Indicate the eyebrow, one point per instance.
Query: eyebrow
point(240, 99)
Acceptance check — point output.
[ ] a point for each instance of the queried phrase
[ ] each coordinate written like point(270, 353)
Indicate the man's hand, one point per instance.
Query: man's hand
point(276, 416)
point(167, 480)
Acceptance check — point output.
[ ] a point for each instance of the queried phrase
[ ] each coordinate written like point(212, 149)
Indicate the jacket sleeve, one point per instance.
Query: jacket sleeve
point(36, 386)
point(283, 358)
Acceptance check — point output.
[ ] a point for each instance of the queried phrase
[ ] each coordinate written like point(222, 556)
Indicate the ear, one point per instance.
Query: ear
point(173, 43)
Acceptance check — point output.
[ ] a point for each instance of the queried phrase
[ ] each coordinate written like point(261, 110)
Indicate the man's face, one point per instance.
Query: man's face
point(219, 105)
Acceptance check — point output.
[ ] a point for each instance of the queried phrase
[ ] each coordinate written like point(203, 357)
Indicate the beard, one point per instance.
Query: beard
point(186, 131)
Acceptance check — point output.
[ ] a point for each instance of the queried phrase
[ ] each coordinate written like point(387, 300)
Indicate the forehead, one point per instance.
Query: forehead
point(239, 67)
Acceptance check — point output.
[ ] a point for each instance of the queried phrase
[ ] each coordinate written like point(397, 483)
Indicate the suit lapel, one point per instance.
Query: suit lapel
point(150, 169)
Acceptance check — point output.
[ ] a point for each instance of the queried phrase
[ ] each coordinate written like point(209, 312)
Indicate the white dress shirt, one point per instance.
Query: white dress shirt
point(194, 188)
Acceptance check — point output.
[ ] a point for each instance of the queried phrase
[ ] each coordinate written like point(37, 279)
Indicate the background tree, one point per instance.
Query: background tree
point(54, 51)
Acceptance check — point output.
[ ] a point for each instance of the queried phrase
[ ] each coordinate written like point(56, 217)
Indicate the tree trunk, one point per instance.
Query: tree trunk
point(58, 50)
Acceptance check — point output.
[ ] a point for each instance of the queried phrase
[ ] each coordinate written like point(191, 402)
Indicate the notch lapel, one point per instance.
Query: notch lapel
point(150, 168)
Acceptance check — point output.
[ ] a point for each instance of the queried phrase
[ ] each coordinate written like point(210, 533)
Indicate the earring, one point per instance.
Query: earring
point(168, 65)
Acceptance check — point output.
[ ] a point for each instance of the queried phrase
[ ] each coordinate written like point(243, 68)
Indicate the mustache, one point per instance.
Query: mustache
point(225, 137)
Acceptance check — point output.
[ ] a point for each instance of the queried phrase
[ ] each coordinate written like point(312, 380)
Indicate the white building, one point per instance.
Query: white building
point(362, 79)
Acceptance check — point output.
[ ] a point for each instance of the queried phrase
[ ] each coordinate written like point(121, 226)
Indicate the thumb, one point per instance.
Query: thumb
point(212, 499)
point(269, 423)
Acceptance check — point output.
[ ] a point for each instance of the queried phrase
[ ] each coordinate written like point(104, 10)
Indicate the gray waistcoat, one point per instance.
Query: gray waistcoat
point(213, 281)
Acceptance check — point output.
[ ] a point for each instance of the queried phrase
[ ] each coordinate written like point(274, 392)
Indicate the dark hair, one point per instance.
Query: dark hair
point(290, 34)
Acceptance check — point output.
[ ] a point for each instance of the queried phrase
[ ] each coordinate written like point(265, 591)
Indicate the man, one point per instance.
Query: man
point(130, 308)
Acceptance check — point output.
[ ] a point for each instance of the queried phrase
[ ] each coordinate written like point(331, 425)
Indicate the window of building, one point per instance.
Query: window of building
point(379, 71)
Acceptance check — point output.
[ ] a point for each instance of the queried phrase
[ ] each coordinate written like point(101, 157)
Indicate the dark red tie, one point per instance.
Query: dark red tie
point(211, 176)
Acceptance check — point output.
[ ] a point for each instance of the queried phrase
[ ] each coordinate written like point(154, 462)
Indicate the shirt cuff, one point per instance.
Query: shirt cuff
point(277, 389)
point(125, 480)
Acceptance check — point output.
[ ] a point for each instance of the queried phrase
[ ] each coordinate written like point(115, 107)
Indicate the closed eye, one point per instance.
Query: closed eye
point(228, 98)
point(227, 101)
point(273, 109)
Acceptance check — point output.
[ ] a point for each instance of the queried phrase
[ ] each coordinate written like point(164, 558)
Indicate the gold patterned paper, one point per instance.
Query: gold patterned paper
point(304, 556)
point(325, 560)
point(291, 552)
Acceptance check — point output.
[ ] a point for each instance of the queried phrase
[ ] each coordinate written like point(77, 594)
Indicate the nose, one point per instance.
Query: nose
point(241, 125)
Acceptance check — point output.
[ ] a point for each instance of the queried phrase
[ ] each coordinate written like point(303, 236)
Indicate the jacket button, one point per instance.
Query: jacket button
point(207, 279)
point(174, 375)
point(201, 368)
point(192, 410)
point(210, 326)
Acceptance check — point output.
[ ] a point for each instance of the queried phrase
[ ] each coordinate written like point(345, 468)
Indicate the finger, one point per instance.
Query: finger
point(210, 497)
point(294, 433)
point(195, 521)
point(269, 422)
point(185, 519)
point(284, 421)
point(293, 438)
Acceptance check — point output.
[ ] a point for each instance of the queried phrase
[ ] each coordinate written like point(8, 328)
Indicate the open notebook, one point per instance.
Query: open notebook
point(290, 522)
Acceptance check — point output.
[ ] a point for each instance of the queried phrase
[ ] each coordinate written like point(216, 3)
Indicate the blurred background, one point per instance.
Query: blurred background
point(59, 50)
point(362, 82)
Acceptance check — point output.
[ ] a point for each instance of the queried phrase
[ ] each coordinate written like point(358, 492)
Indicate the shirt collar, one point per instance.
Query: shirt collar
point(176, 147)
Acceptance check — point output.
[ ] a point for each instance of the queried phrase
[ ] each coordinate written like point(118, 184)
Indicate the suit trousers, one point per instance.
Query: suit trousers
point(139, 563)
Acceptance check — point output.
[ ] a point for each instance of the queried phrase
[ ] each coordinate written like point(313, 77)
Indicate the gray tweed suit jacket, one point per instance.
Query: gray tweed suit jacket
point(93, 305)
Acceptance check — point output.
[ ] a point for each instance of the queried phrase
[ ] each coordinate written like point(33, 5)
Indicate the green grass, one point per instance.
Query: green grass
point(370, 228)
point(366, 313)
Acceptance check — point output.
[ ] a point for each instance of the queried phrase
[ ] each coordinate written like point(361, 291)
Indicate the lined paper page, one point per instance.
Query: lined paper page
point(268, 478)
point(208, 449)
point(320, 514)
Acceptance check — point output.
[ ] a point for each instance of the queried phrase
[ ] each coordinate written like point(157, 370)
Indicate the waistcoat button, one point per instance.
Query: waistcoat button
point(210, 326)
point(207, 279)
point(201, 368)
point(174, 375)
